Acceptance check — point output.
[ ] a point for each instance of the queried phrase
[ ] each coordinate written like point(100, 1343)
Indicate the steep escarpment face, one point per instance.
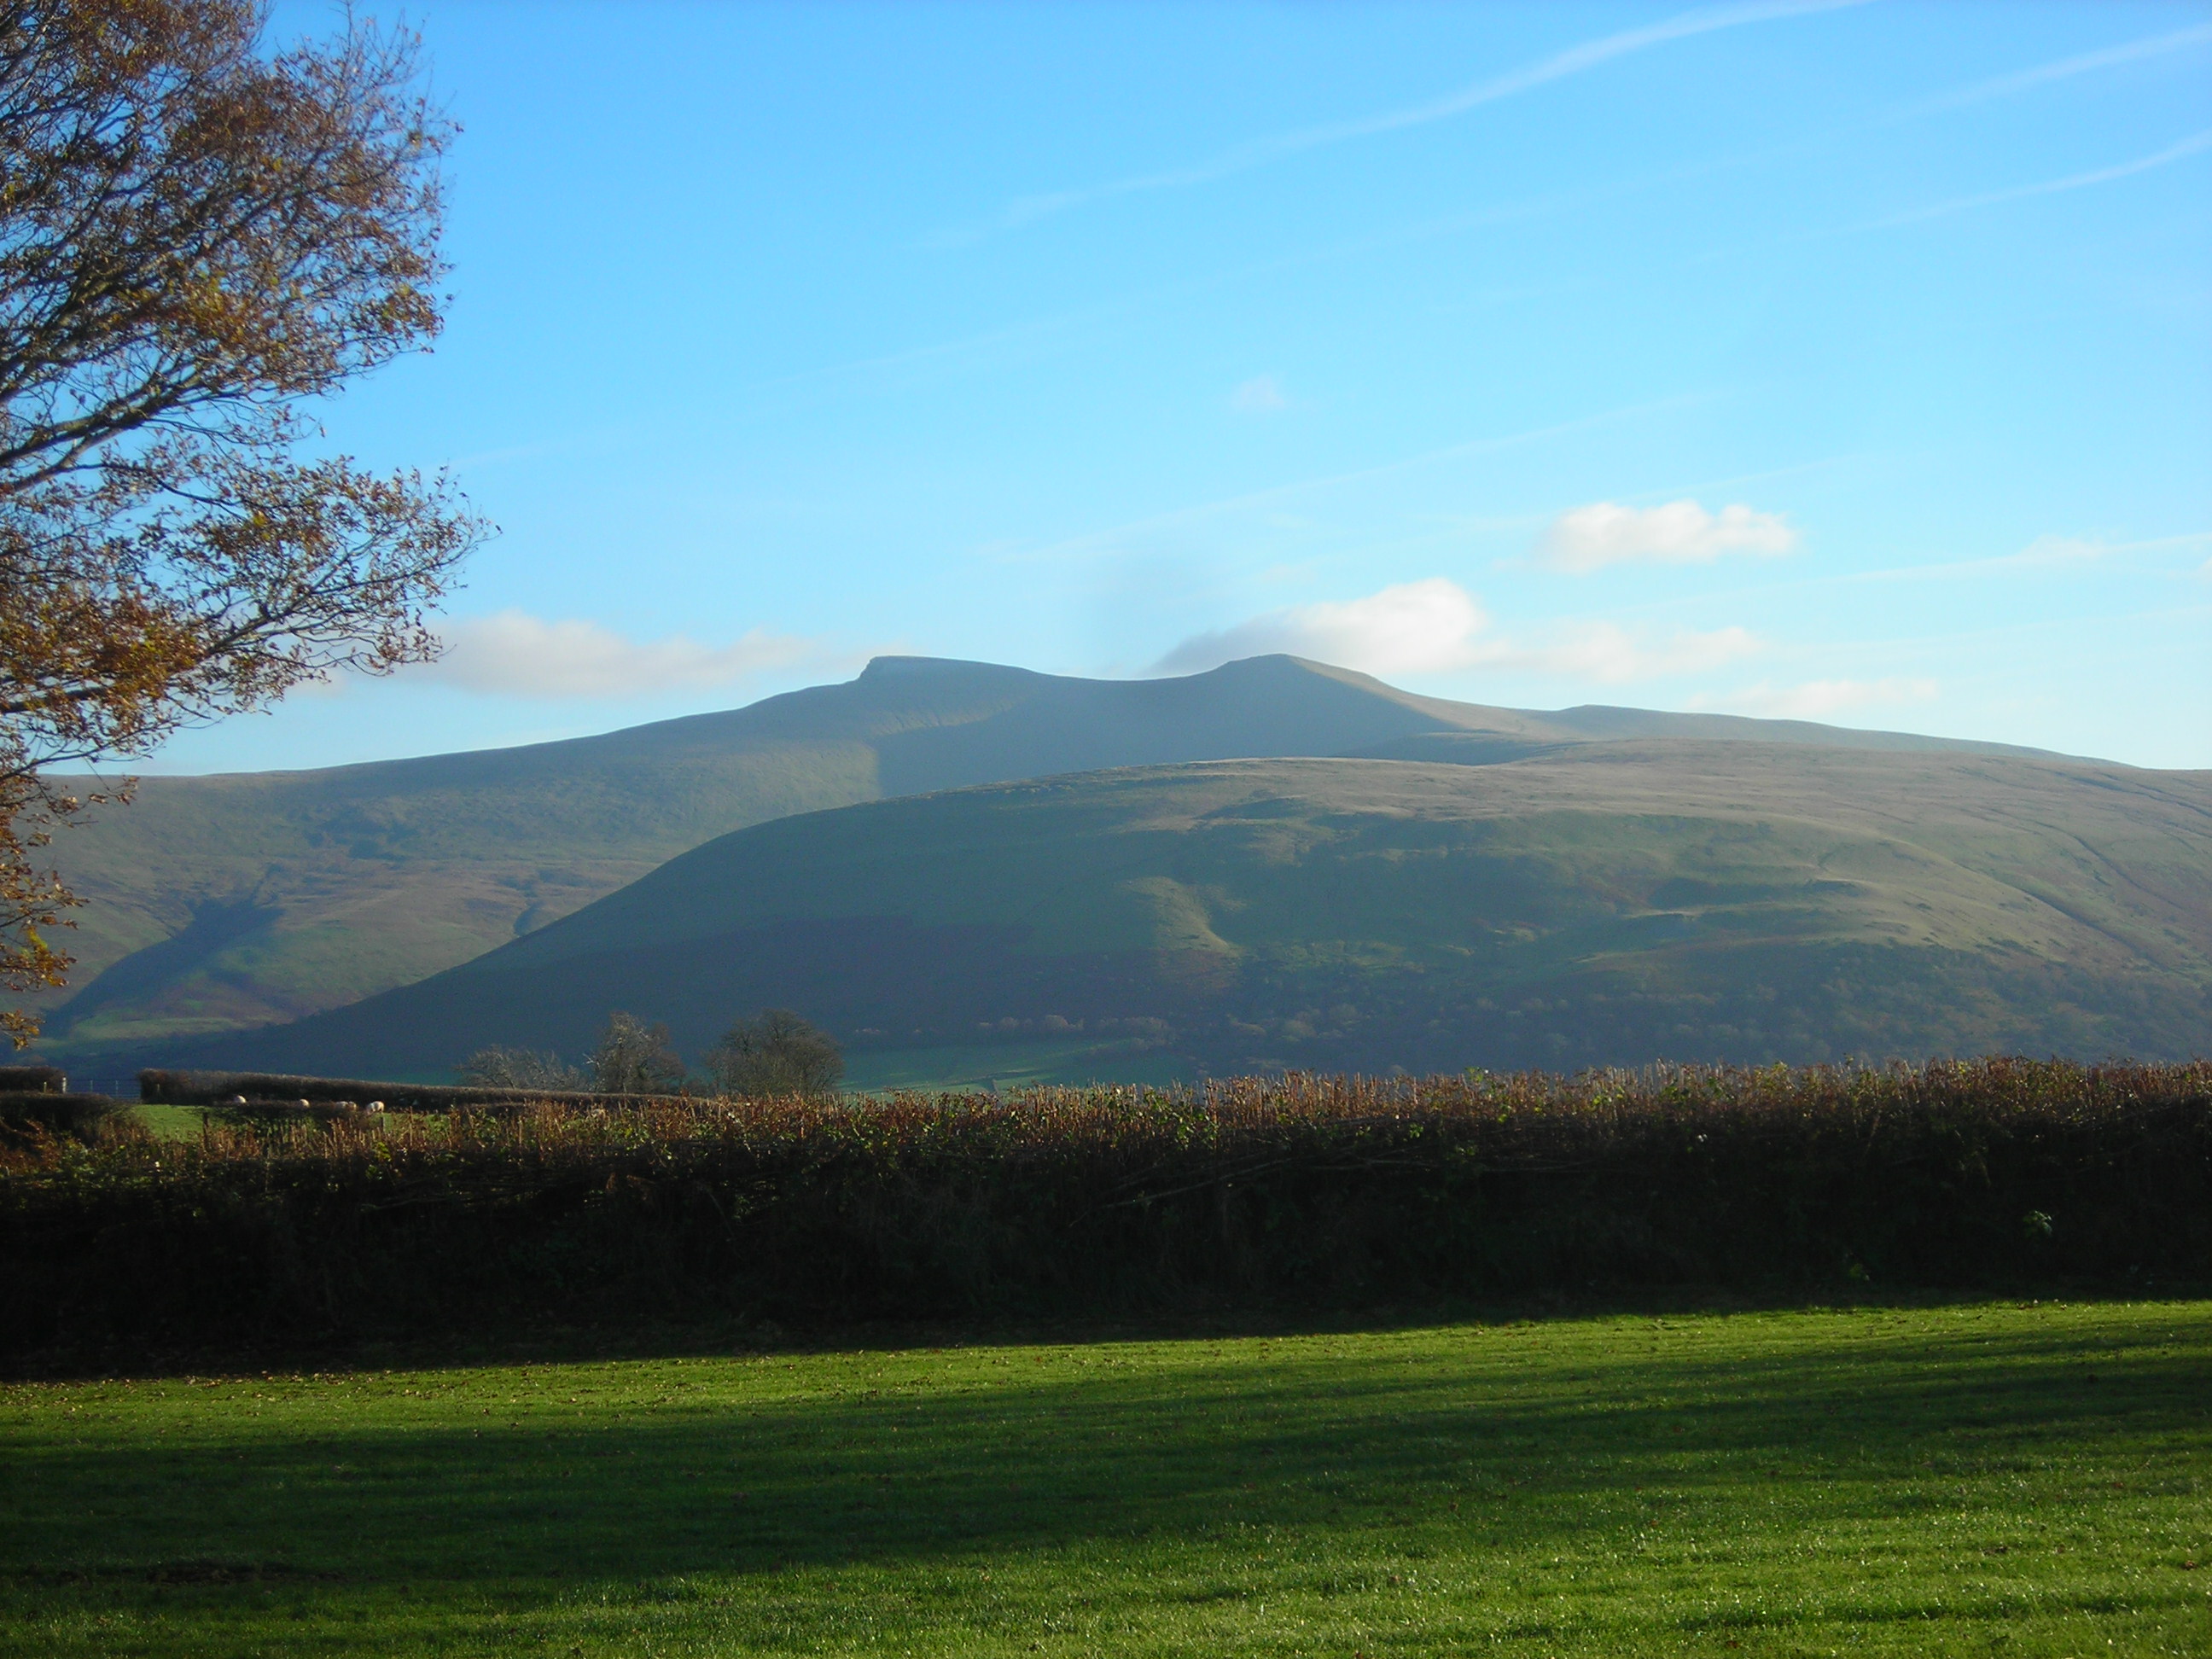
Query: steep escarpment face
point(1609, 903)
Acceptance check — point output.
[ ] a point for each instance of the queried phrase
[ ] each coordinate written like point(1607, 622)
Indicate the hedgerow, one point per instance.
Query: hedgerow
point(1292, 1191)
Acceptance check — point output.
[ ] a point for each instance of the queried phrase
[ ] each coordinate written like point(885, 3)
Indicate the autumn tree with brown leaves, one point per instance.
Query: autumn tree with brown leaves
point(199, 236)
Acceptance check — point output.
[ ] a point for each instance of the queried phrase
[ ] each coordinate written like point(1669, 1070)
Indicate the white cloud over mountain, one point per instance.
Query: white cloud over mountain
point(1436, 626)
point(513, 654)
point(1590, 537)
point(1414, 628)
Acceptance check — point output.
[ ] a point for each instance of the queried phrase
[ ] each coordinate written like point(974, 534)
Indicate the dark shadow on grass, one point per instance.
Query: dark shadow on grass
point(584, 1343)
point(1512, 1453)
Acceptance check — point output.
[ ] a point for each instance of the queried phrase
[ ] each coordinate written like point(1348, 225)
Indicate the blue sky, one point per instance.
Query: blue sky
point(1847, 361)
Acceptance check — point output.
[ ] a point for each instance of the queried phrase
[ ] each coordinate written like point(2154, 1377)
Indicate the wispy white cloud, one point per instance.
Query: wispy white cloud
point(2194, 144)
point(1437, 626)
point(2059, 550)
point(1590, 537)
point(2065, 69)
point(1262, 394)
point(2046, 553)
point(1115, 538)
point(1813, 699)
point(513, 654)
point(1258, 152)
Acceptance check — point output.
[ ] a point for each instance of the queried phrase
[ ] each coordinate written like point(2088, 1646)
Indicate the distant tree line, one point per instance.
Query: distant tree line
point(774, 1052)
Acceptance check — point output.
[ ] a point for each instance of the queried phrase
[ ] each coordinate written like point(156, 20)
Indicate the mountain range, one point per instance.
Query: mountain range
point(966, 870)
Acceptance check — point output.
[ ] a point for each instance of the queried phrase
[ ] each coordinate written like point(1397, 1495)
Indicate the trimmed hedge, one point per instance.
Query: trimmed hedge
point(30, 1118)
point(1996, 1173)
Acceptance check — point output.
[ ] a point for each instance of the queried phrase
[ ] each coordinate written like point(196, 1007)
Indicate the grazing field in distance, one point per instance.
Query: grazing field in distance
point(2001, 1479)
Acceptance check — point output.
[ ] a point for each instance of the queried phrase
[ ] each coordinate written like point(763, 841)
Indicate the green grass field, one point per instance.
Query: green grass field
point(1969, 1479)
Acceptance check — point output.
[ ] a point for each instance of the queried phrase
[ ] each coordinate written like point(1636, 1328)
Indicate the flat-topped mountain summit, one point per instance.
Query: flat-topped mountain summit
point(224, 902)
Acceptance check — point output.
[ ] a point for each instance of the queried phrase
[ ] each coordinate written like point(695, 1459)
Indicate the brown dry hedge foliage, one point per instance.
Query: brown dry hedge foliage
point(1297, 1191)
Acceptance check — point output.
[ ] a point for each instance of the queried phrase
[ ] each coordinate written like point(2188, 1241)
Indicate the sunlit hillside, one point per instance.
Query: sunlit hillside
point(1601, 902)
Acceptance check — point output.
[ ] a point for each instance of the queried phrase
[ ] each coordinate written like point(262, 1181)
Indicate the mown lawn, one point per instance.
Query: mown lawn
point(1985, 1479)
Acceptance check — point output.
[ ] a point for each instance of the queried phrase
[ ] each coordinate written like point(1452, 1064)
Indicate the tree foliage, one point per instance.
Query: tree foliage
point(634, 1058)
point(198, 238)
point(775, 1053)
point(522, 1068)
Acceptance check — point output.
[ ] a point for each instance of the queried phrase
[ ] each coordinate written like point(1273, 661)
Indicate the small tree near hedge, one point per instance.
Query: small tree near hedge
point(776, 1053)
point(634, 1058)
point(522, 1068)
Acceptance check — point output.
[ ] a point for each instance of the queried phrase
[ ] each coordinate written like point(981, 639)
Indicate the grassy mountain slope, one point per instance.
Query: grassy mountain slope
point(218, 904)
point(1585, 903)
